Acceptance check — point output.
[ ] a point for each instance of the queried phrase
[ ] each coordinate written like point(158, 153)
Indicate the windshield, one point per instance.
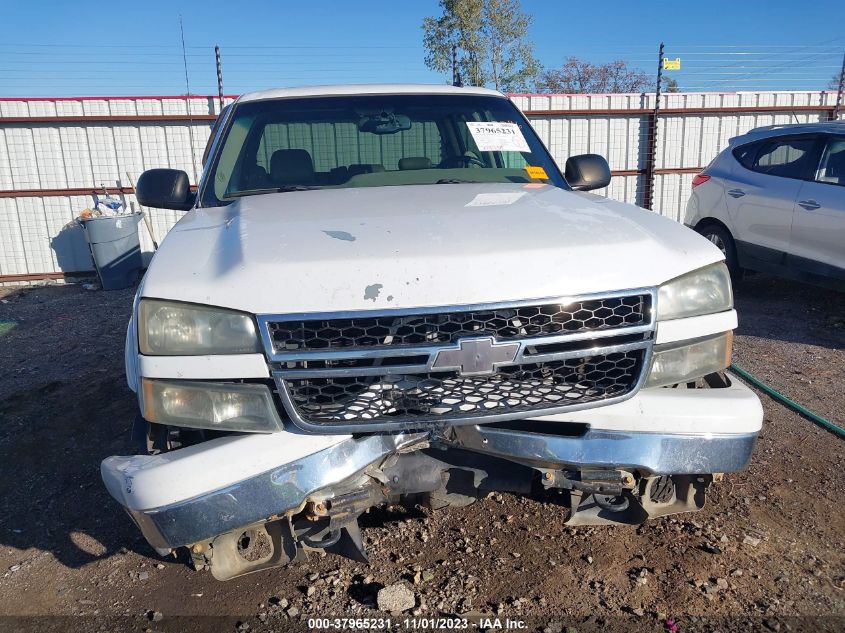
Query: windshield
point(375, 141)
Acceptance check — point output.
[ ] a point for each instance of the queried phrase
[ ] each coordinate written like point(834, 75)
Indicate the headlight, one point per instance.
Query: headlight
point(178, 329)
point(703, 291)
point(219, 406)
point(672, 364)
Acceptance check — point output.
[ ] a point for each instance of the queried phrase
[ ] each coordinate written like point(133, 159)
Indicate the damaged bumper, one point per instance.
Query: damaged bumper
point(173, 502)
point(193, 494)
point(646, 453)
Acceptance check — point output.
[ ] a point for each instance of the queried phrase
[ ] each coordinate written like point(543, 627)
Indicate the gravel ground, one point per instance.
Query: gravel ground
point(767, 553)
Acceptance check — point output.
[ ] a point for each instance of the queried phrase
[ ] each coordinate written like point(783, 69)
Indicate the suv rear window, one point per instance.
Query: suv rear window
point(745, 154)
point(786, 157)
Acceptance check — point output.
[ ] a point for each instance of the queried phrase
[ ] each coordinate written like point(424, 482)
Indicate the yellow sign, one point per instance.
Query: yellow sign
point(536, 172)
point(671, 64)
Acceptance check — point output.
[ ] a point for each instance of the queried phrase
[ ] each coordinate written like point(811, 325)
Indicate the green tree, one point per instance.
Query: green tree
point(669, 85)
point(491, 37)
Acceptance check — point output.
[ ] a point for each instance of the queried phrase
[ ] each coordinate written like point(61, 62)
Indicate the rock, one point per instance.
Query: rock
point(554, 627)
point(710, 548)
point(724, 538)
point(638, 612)
point(721, 583)
point(159, 566)
point(144, 575)
point(395, 598)
point(292, 612)
point(242, 626)
point(736, 572)
point(753, 541)
point(313, 577)
point(14, 568)
point(155, 616)
point(311, 590)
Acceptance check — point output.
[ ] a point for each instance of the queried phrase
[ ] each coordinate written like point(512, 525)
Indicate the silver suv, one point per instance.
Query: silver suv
point(774, 201)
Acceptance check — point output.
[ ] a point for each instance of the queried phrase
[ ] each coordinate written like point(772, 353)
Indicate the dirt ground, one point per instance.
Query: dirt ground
point(767, 553)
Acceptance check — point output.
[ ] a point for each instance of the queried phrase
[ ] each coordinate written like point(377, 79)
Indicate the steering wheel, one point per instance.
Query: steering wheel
point(470, 159)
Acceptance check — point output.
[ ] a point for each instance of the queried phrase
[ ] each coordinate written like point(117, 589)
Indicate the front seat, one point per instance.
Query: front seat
point(291, 167)
point(834, 171)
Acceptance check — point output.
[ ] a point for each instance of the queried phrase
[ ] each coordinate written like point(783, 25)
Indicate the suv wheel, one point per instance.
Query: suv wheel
point(721, 237)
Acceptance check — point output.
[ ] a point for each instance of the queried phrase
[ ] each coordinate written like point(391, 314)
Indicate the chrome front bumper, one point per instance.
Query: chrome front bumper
point(647, 453)
point(203, 514)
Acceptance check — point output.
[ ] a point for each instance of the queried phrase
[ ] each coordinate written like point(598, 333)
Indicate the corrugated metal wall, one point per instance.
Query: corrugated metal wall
point(692, 129)
point(54, 153)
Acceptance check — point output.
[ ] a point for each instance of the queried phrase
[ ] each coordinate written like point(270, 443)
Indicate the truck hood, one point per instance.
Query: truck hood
point(416, 246)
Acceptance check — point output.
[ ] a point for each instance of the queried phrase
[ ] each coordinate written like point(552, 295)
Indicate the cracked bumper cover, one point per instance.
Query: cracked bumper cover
point(196, 493)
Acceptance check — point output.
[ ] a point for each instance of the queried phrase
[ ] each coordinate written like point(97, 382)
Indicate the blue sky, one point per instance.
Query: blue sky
point(53, 48)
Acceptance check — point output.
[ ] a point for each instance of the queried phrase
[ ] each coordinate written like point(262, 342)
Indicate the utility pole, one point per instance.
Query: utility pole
point(838, 105)
point(456, 74)
point(219, 75)
point(648, 194)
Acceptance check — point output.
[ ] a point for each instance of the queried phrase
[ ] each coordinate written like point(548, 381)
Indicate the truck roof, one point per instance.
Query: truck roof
point(365, 89)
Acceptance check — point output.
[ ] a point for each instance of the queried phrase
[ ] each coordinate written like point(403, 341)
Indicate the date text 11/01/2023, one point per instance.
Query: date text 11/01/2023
point(416, 624)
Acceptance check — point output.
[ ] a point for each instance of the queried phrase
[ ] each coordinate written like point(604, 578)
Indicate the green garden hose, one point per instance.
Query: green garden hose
point(777, 395)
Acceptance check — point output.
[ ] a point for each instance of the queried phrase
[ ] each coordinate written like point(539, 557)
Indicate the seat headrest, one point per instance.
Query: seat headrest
point(291, 166)
point(414, 162)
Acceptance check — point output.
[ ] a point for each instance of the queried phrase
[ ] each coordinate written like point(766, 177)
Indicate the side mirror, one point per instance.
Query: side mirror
point(587, 172)
point(165, 189)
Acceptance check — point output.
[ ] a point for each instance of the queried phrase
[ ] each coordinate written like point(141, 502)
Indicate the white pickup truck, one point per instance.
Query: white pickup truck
point(385, 294)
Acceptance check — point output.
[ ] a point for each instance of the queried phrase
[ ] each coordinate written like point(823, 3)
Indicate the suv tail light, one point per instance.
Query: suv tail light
point(699, 179)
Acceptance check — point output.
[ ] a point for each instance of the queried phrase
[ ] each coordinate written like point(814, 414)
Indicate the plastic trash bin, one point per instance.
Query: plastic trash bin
point(116, 248)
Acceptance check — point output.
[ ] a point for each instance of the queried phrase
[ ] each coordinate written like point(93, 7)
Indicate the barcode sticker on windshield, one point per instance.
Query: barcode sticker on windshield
point(498, 137)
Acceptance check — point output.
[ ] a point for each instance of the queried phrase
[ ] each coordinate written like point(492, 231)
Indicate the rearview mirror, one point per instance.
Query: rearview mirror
point(587, 172)
point(165, 189)
point(384, 123)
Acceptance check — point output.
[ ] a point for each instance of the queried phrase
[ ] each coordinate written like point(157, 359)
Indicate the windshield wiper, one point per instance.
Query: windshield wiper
point(457, 181)
point(255, 192)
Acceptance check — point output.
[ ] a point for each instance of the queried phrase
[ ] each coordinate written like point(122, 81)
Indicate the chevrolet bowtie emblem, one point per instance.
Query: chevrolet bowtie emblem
point(475, 356)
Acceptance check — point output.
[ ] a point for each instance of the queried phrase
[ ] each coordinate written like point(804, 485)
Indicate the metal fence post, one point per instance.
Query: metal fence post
point(648, 189)
point(456, 73)
point(836, 108)
point(219, 75)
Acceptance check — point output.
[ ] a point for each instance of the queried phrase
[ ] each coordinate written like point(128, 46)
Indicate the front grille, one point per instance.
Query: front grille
point(428, 397)
point(503, 323)
point(388, 370)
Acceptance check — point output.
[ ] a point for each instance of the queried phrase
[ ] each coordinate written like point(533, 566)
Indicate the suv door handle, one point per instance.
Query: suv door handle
point(736, 193)
point(809, 204)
